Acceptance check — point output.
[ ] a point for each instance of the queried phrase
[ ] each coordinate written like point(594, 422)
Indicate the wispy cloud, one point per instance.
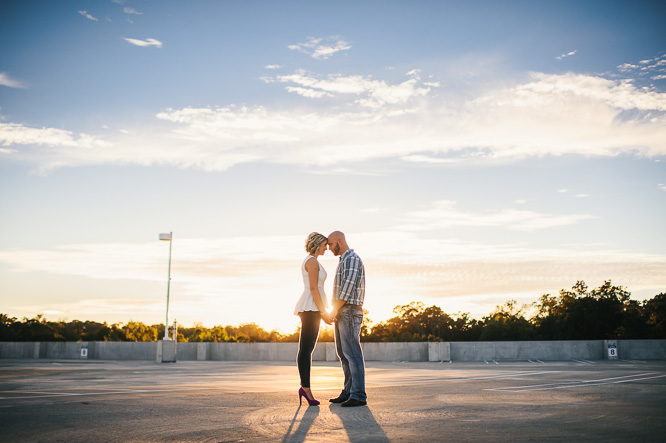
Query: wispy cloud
point(443, 214)
point(416, 158)
point(374, 93)
point(662, 186)
point(6, 80)
point(89, 16)
point(16, 134)
point(563, 56)
point(568, 114)
point(653, 68)
point(143, 43)
point(321, 48)
point(273, 66)
point(128, 10)
point(437, 269)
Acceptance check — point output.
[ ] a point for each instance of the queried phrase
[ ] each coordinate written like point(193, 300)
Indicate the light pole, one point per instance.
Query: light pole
point(168, 237)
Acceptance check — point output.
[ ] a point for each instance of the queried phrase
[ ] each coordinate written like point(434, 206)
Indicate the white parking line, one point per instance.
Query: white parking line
point(578, 384)
point(425, 380)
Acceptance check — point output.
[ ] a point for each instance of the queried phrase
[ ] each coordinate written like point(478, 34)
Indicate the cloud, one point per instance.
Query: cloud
point(546, 89)
point(542, 115)
point(16, 134)
point(653, 68)
point(457, 275)
point(143, 43)
point(310, 93)
point(374, 93)
point(443, 214)
point(127, 10)
point(662, 186)
point(273, 66)
point(563, 56)
point(6, 80)
point(89, 16)
point(321, 48)
point(427, 159)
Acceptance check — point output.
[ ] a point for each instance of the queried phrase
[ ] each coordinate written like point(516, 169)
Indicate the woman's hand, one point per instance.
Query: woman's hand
point(328, 318)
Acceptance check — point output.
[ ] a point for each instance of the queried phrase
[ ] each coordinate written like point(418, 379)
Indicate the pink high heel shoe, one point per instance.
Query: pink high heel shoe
point(301, 394)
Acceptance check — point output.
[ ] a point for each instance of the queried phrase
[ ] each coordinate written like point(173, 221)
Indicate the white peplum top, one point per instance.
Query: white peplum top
point(306, 303)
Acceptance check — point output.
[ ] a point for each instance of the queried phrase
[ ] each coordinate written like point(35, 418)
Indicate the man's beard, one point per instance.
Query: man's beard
point(336, 250)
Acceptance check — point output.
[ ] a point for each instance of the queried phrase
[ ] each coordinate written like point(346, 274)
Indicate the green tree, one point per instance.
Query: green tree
point(507, 322)
point(9, 328)
point(136, 331)
point(655, 315)
point(604, 312)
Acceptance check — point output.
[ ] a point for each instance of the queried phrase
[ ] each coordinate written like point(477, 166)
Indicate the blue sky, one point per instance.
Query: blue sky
point(473, 152)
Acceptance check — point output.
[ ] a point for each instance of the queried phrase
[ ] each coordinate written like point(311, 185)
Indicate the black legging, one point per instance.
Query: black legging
point(309, 332)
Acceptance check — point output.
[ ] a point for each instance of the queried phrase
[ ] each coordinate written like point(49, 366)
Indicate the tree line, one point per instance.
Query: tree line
point(606, 312)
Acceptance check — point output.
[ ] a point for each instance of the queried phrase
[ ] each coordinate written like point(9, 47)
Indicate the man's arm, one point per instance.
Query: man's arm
point(349, 276)
point(349, 273)
point(337, 305)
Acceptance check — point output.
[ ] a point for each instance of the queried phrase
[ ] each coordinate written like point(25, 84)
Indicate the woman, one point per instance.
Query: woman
point(311, 307)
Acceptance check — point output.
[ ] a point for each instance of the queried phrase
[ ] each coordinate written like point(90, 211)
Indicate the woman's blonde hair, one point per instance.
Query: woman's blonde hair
point(314, 240)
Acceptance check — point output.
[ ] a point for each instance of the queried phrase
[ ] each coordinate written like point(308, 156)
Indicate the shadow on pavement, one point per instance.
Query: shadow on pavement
point(359, 423)
point(303, 427)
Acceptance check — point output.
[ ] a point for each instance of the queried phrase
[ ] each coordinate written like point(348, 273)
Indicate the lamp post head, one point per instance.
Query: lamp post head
point(165, 237)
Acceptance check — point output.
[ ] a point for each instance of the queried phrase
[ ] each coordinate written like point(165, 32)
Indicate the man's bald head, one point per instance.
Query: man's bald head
point(336, 235)
point(337, 243)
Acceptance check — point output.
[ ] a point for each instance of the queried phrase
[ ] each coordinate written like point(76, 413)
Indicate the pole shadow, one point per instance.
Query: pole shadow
point(298, 436)
point(360, 424)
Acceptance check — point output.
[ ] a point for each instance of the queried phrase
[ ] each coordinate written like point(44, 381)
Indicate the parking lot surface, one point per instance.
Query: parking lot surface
point(42, 400)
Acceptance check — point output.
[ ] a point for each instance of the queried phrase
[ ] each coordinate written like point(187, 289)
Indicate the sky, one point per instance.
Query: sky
point(473, 152)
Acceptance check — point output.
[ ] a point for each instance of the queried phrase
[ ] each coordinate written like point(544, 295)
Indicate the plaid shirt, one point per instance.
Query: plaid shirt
point(349, 283)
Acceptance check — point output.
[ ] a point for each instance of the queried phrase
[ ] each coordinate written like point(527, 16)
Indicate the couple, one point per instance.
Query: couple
point(347, 313)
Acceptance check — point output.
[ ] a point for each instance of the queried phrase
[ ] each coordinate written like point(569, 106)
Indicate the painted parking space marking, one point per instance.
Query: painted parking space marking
point(425, 380)
point(583, 383)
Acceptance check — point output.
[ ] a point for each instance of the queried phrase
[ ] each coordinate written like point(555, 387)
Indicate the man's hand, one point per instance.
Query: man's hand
point(328, 318)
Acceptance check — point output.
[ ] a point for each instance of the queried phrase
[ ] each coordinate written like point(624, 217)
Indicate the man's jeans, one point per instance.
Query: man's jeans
point(348, 348)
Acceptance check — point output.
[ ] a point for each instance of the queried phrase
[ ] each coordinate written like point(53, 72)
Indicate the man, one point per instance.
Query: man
point(348, 296)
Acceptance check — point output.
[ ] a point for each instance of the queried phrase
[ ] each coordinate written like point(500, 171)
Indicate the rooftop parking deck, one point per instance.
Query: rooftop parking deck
point(55, 400)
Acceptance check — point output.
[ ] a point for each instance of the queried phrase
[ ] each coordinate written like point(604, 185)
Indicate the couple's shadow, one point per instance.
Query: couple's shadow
point(304, 425)
point(359, 423)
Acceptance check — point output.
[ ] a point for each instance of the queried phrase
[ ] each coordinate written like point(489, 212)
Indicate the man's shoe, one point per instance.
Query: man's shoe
point(339, 399)
point(354, 402)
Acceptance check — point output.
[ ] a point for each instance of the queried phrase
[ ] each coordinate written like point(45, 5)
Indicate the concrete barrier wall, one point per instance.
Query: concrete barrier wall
point(527, 350)
point(253, 351)
point(395, 351)
point(642, 349)
point(422, 351)
point(19, 350)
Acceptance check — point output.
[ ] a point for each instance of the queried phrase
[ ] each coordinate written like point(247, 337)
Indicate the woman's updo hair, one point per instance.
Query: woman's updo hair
point(314, 240)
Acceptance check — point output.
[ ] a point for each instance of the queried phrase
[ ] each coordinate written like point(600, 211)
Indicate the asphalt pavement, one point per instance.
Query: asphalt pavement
point(93, 401)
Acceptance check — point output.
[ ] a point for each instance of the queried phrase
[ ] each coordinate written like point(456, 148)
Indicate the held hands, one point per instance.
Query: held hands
point(328, 318)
